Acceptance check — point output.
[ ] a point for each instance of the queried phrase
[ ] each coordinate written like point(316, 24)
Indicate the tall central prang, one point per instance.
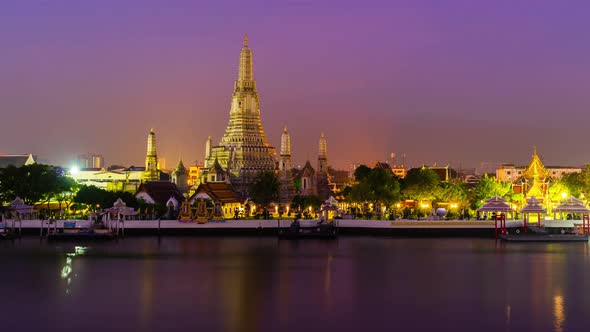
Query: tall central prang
point(244, 150)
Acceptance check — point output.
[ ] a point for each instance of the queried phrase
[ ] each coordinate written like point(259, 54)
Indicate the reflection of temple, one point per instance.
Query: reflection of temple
point(244, 150)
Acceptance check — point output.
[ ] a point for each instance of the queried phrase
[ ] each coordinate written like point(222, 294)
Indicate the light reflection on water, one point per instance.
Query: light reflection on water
point(66, 271)
point(261, 284)
point(558, 313)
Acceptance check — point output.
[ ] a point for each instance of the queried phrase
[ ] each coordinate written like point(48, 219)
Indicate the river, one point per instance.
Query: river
point(353, 283)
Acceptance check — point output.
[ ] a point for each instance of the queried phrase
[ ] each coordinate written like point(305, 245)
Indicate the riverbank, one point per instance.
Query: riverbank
point(479, 228)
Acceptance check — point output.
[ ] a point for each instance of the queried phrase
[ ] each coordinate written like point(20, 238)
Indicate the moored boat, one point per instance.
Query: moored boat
point(319, 231)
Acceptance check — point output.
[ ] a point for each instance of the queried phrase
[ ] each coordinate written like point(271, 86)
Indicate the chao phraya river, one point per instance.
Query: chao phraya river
point(262, 284)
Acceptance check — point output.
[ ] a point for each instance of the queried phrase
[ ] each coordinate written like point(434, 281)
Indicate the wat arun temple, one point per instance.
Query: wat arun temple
point(244, 151)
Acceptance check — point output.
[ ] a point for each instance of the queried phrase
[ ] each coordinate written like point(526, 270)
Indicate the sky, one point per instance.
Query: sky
point(447, 82)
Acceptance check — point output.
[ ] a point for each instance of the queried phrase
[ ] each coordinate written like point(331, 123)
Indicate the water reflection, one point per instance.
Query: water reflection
point(147, 292)
point(558, 313)
point(508, 313)
point(328, 280)
point(260, 284)
point(67, 269)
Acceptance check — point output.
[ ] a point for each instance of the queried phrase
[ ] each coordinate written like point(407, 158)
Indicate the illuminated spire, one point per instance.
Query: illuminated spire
point(285, 143)
point(323, 155)
point(243, 150)
point(285, 163)
point(151, 159)
point(246, 70)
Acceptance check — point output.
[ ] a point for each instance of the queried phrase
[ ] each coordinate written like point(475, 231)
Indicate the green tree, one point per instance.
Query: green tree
point(577, 184)
point(453, 192)
point(361, 172)
point(421, 184)
point(95, 198)
point(377, 186)
point(34, 183)
point(66, 191)
point(489, 187)
point(265, 189)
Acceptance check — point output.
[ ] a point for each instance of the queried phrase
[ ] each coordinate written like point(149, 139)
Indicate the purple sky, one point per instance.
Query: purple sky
point(441, 81)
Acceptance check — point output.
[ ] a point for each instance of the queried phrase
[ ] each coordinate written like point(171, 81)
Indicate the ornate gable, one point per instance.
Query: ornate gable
point(536, 170)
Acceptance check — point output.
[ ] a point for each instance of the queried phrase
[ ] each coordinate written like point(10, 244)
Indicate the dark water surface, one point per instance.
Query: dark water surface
point(261, 284)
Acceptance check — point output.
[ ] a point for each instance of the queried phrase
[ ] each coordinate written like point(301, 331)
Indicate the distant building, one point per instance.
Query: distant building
point(446, 173)
point(180, 177)
point(194, 175)
point(17, 160)
point(339, 178)
point(488, 168)
point(399, 171)
point(91, 160)
point(126, 179)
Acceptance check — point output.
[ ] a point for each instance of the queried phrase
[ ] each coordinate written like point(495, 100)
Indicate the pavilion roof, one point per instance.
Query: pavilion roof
point(18, 205)
point(533, 206)
point(572, 204)
point(160, 191)
point(120, 207)
point(495, 204)
point(217, 192)
point(536, 169)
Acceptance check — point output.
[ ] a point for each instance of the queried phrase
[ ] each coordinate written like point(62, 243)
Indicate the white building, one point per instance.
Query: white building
point(115, 180)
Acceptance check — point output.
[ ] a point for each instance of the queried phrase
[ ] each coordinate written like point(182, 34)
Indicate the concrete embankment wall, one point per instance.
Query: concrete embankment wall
point(269, 227)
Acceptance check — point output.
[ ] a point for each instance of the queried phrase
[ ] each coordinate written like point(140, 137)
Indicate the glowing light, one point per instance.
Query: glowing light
point(454, 206)
point(424, 205)
point(74, 170)
point(563, 195)
point(398, 205)
point(558, 313)
point(80, 250)
point(67, 269)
